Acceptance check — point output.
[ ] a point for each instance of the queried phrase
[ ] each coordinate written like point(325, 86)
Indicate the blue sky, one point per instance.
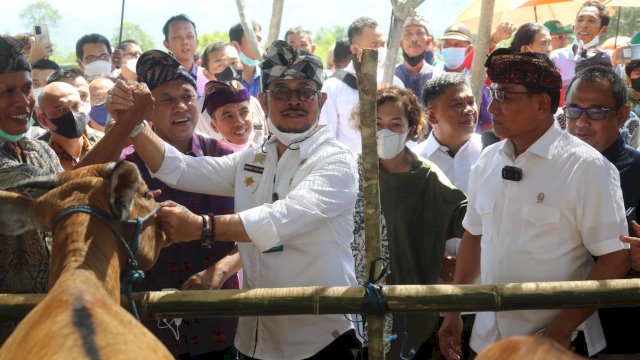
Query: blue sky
point(80, 17)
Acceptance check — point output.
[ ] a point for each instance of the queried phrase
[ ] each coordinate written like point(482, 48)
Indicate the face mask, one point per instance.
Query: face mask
point(412, 60)
point(131, 65)
point(36, 95)
point(99, 114)
point(289, 139)
point(238, 148)
point(227, 74)
point(248, 61)
point(86, 109)
point(70, 125)
point(453, 57)
point(390, 144)
point(591, 43)
point(98, 68)
point(428, 57)
point(635, 84)
point(382, 56)
point(15, 138)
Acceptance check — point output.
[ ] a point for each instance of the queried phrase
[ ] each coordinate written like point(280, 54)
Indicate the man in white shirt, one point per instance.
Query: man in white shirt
point(341, 87)
point(294, 202)
point(452, 112)
point(592, 21)
point(542, 204)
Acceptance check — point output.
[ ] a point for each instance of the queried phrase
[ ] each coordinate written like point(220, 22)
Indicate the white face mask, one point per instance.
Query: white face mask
point(86, 109)
point(453, 57)
point(382, 56)
point(97, 68)
point(289, 139)
point(390, 144)
point(131, 65)
point(36, 95)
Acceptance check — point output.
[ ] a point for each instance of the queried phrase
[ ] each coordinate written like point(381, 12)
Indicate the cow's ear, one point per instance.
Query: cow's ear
point(125, 180)
point(14, 213)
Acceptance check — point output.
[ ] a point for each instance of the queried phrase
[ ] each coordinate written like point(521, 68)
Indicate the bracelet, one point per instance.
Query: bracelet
point(205, 235)
point(212, 219)
point(138, 129)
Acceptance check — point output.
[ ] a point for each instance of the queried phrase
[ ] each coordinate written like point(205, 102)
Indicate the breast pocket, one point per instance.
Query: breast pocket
point(486, 209)
point(539, 232)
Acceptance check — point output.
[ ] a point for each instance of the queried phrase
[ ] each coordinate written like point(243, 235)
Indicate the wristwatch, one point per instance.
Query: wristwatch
point(138, 129)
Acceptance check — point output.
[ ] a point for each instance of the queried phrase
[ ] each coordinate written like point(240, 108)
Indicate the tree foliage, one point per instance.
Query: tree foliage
point(39, 12)
point(629, 22)
point(326, 38)
point(133, 31)
point(207, 39)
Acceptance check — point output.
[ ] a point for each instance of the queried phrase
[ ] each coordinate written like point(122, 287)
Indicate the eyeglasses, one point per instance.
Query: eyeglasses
point(284, 94)
point(92, 58)
point(132, 54)
point(574, 112)
point(499, 95)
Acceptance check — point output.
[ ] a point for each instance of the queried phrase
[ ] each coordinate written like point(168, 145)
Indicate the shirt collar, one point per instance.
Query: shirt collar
point(541, 147)
point(612, 153)
point(432, 145)
point(349, 68)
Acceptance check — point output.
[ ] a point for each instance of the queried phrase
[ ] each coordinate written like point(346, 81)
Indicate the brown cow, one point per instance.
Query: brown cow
point(526, 347)
point(81, 317)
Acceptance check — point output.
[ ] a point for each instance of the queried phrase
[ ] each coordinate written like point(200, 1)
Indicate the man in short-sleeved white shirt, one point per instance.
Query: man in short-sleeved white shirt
point(544, 218)
point(364, 33)
point(294, 203)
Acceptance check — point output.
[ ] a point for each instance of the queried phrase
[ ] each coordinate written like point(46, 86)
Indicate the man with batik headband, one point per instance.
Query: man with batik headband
point(186, 266)
point(228, 105)
point(541, 196)
point(294, 201)
point(24, 259)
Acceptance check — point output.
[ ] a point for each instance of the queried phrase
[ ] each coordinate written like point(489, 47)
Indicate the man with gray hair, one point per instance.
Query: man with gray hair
point(300, 38)
point(294, 197)
point(416, 39)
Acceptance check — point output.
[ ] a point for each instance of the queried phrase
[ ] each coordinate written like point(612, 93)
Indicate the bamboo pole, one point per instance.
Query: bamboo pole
point(365, 64)
point(319, 300)
point(276, 20)
point(478, 74)
point(247, 26)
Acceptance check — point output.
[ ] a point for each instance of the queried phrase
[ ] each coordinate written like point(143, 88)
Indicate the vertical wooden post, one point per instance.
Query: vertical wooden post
point(248, 28)
point(401, 10)
point(366, 64)
point(478, 74)
point(276, 20)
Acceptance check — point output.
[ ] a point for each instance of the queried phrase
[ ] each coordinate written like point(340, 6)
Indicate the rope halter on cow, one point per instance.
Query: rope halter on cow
point(131, 272)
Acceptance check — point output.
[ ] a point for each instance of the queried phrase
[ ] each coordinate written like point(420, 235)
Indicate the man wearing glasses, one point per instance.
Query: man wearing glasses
point(93, 53)
point(131, 51)
point(294, 202)
point(559, 34)
point(595, 110)
point(541, 204)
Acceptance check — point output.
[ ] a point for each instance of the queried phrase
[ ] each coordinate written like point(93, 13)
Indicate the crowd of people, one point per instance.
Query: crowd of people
point(262, 182)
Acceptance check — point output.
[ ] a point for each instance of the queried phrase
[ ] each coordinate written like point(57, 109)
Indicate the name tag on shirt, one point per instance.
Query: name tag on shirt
point(253, 168)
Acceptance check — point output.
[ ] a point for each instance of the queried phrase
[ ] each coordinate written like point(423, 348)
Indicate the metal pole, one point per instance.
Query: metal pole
point(121, 24)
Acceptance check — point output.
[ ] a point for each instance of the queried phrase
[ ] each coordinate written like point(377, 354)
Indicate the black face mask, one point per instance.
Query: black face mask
point(635, 84)
point(227, 74)
point(412, 60)
point(70, 125)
